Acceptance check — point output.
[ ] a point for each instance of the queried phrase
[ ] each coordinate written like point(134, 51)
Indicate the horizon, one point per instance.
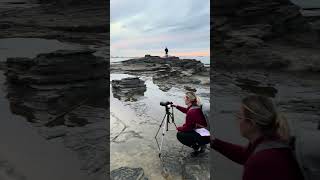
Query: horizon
point(134, 32)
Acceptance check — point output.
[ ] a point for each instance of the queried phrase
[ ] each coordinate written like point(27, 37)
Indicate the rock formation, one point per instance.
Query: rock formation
point(258, 34)
point(63, 89)
point(165, 71)
point(171, 61)
point(128, 88)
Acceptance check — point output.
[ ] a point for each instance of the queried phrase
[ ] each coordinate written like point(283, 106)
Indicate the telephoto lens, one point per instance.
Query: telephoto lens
point(165, 103)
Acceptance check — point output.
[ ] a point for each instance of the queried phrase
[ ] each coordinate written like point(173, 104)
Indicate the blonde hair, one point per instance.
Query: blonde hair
point(193, 97)
point(262, 112)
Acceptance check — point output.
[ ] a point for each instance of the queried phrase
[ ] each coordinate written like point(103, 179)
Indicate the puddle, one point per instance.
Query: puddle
point(31, 47)
point(135, 123)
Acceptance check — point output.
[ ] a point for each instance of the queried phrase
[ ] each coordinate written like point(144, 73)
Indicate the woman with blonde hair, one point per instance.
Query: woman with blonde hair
point(268, 154)
point(194, 119)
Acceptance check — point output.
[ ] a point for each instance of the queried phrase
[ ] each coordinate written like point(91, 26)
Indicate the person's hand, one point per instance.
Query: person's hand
point(174, 105)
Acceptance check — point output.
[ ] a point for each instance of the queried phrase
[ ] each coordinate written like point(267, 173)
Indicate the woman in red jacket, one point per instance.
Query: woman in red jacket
point(194, 119)
point(267, 155)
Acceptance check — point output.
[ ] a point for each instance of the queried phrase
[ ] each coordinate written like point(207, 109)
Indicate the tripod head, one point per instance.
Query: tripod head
point(167, 106)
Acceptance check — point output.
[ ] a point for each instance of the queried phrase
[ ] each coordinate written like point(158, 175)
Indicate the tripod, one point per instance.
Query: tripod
point(165, 125)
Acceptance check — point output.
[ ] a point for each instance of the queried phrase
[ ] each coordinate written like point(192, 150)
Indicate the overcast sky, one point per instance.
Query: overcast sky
point(140, 27)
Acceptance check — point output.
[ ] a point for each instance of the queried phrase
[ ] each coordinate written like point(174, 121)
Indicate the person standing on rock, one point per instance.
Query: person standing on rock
point(268, 154)
point(194, 119)
point(166, 50)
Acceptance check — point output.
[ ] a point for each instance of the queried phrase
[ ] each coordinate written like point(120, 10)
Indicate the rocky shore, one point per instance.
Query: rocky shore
point(166, 71)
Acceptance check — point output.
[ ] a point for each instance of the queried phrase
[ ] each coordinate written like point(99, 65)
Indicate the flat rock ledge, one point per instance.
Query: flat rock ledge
point(65, 94)
point(173, 61)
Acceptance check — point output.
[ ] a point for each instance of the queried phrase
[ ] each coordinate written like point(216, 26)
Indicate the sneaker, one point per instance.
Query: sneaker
point(196, 147)
point(203, 148)
point(195, 153)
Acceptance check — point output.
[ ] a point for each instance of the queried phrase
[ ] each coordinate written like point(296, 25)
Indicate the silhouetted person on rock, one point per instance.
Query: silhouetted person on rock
point(166, 50)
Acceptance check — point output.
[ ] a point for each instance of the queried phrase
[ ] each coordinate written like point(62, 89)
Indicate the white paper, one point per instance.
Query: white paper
point(203, 132)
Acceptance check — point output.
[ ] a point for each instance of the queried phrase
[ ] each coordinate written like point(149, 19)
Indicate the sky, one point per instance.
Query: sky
point(140, 27)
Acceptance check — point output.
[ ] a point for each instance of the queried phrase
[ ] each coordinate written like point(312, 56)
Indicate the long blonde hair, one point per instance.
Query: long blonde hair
point(193, 98)
point(262, 112)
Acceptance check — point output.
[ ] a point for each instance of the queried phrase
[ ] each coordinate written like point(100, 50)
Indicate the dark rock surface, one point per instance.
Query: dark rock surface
point(171, 61)
point(54, 19)
point(127, 173)
point(180, 163)
point(65, 95)
point(128, 89)
point(62, 66)
point(262, 34)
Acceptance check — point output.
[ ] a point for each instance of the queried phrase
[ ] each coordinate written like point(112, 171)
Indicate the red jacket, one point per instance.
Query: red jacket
point(193, 117)
point(268, 164)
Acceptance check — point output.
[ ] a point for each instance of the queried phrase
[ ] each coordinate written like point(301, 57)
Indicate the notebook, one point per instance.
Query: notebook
point(203, 132)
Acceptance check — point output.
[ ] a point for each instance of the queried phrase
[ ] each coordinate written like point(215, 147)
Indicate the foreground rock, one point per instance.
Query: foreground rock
point(127, 173)
point(176, 165)
point(65, 95)
point(179, 163)
point(128, 89)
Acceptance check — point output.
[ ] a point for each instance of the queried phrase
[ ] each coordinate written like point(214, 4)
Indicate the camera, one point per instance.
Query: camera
point(165, 103)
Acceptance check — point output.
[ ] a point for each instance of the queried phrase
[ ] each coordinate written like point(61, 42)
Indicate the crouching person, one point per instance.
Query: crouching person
point(194, 119)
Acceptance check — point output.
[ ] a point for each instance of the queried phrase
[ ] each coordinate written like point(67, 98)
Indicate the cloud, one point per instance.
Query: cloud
point(143, 26)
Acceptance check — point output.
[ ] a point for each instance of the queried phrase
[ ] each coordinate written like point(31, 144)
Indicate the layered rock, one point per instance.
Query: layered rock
point(128, 89)
point(165, 71)
point(60, 90)
point(185, 64)
point(247, 36)
point(59, 67)
point(55, 19)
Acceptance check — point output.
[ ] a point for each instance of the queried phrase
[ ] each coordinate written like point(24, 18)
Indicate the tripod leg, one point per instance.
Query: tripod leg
point(160, 125)
point(155, 137)
point(172, 119)
point(163, 133)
